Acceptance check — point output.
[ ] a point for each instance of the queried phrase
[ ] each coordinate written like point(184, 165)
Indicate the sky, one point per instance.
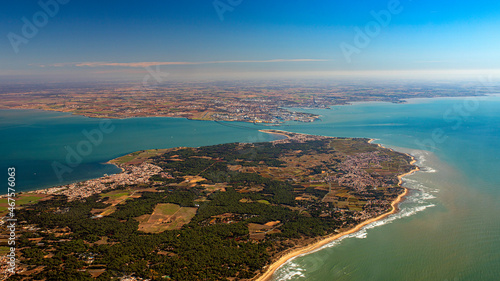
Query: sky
point(85, 40)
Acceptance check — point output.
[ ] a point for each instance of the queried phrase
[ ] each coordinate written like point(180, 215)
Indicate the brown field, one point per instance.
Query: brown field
point(259, 231)
point(166, 217)
point(215, 187)
point(95, 272)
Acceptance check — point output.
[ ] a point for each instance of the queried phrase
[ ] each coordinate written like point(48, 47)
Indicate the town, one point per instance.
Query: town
point(131, 175)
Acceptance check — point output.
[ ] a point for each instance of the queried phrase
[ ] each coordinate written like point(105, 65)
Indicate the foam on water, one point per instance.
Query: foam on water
point(429, 170)
point(291, 270)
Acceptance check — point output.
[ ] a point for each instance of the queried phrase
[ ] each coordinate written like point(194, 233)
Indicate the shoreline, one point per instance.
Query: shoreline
point(287, 256)
point(275, 132)
point(72, 113)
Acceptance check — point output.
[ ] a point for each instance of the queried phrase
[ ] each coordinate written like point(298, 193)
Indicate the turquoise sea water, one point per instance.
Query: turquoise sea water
point(447, 229)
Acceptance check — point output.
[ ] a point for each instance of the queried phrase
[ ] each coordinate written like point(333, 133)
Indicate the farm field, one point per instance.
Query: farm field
point(166, 217)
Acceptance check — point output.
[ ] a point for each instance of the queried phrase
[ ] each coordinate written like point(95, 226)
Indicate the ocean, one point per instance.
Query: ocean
point(448, 228)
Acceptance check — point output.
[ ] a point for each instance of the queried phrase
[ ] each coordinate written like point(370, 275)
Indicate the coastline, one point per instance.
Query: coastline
point(275, 132)
point(73, 113)
point(287, 256)
point(114, 163)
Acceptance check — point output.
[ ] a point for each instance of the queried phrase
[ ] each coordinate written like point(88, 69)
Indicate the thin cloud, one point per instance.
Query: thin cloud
point(432, 61)
point(147, 64)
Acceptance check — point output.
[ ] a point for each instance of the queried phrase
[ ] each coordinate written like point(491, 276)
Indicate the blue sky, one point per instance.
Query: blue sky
point(96, 39)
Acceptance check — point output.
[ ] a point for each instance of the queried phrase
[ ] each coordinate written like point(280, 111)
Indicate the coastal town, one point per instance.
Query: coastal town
point(354, 173)
point(130, 175)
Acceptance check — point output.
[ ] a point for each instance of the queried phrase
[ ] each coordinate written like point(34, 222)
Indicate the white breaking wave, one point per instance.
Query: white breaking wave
point(421, 157)
point(291, 270)
point(416, 185)
point(421, 160)
point(425, 197)
point(429, 170)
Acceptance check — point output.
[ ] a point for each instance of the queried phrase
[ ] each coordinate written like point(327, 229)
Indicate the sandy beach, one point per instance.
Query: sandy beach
point(269, 270)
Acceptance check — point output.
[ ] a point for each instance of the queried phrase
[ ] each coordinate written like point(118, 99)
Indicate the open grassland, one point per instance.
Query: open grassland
point(4, 250)
point(20, 199)
point(117, 196)
point(166, 217)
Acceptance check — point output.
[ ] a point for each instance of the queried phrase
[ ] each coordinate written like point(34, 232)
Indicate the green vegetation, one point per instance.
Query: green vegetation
point(168, 209)
point(137, 157)
point(4, 250)
point(274, 196)
point(21, 200)
point(115, 195)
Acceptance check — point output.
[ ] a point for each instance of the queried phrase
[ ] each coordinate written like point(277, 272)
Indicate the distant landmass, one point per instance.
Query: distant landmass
point(265, 102)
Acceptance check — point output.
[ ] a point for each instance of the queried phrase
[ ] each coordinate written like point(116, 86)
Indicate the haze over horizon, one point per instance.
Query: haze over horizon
point(77, 40)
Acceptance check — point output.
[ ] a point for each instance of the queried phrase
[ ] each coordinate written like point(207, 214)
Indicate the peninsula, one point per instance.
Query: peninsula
point(233, 211)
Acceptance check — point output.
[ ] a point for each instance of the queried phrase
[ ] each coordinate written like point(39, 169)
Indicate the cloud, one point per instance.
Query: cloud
point(148, 64)
point(432, 61)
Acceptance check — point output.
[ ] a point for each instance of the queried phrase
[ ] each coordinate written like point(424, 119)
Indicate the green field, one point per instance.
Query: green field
point(4, 250)
point(21, 199)
point(115, 194)
point(167, 209)
point(138, 156)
